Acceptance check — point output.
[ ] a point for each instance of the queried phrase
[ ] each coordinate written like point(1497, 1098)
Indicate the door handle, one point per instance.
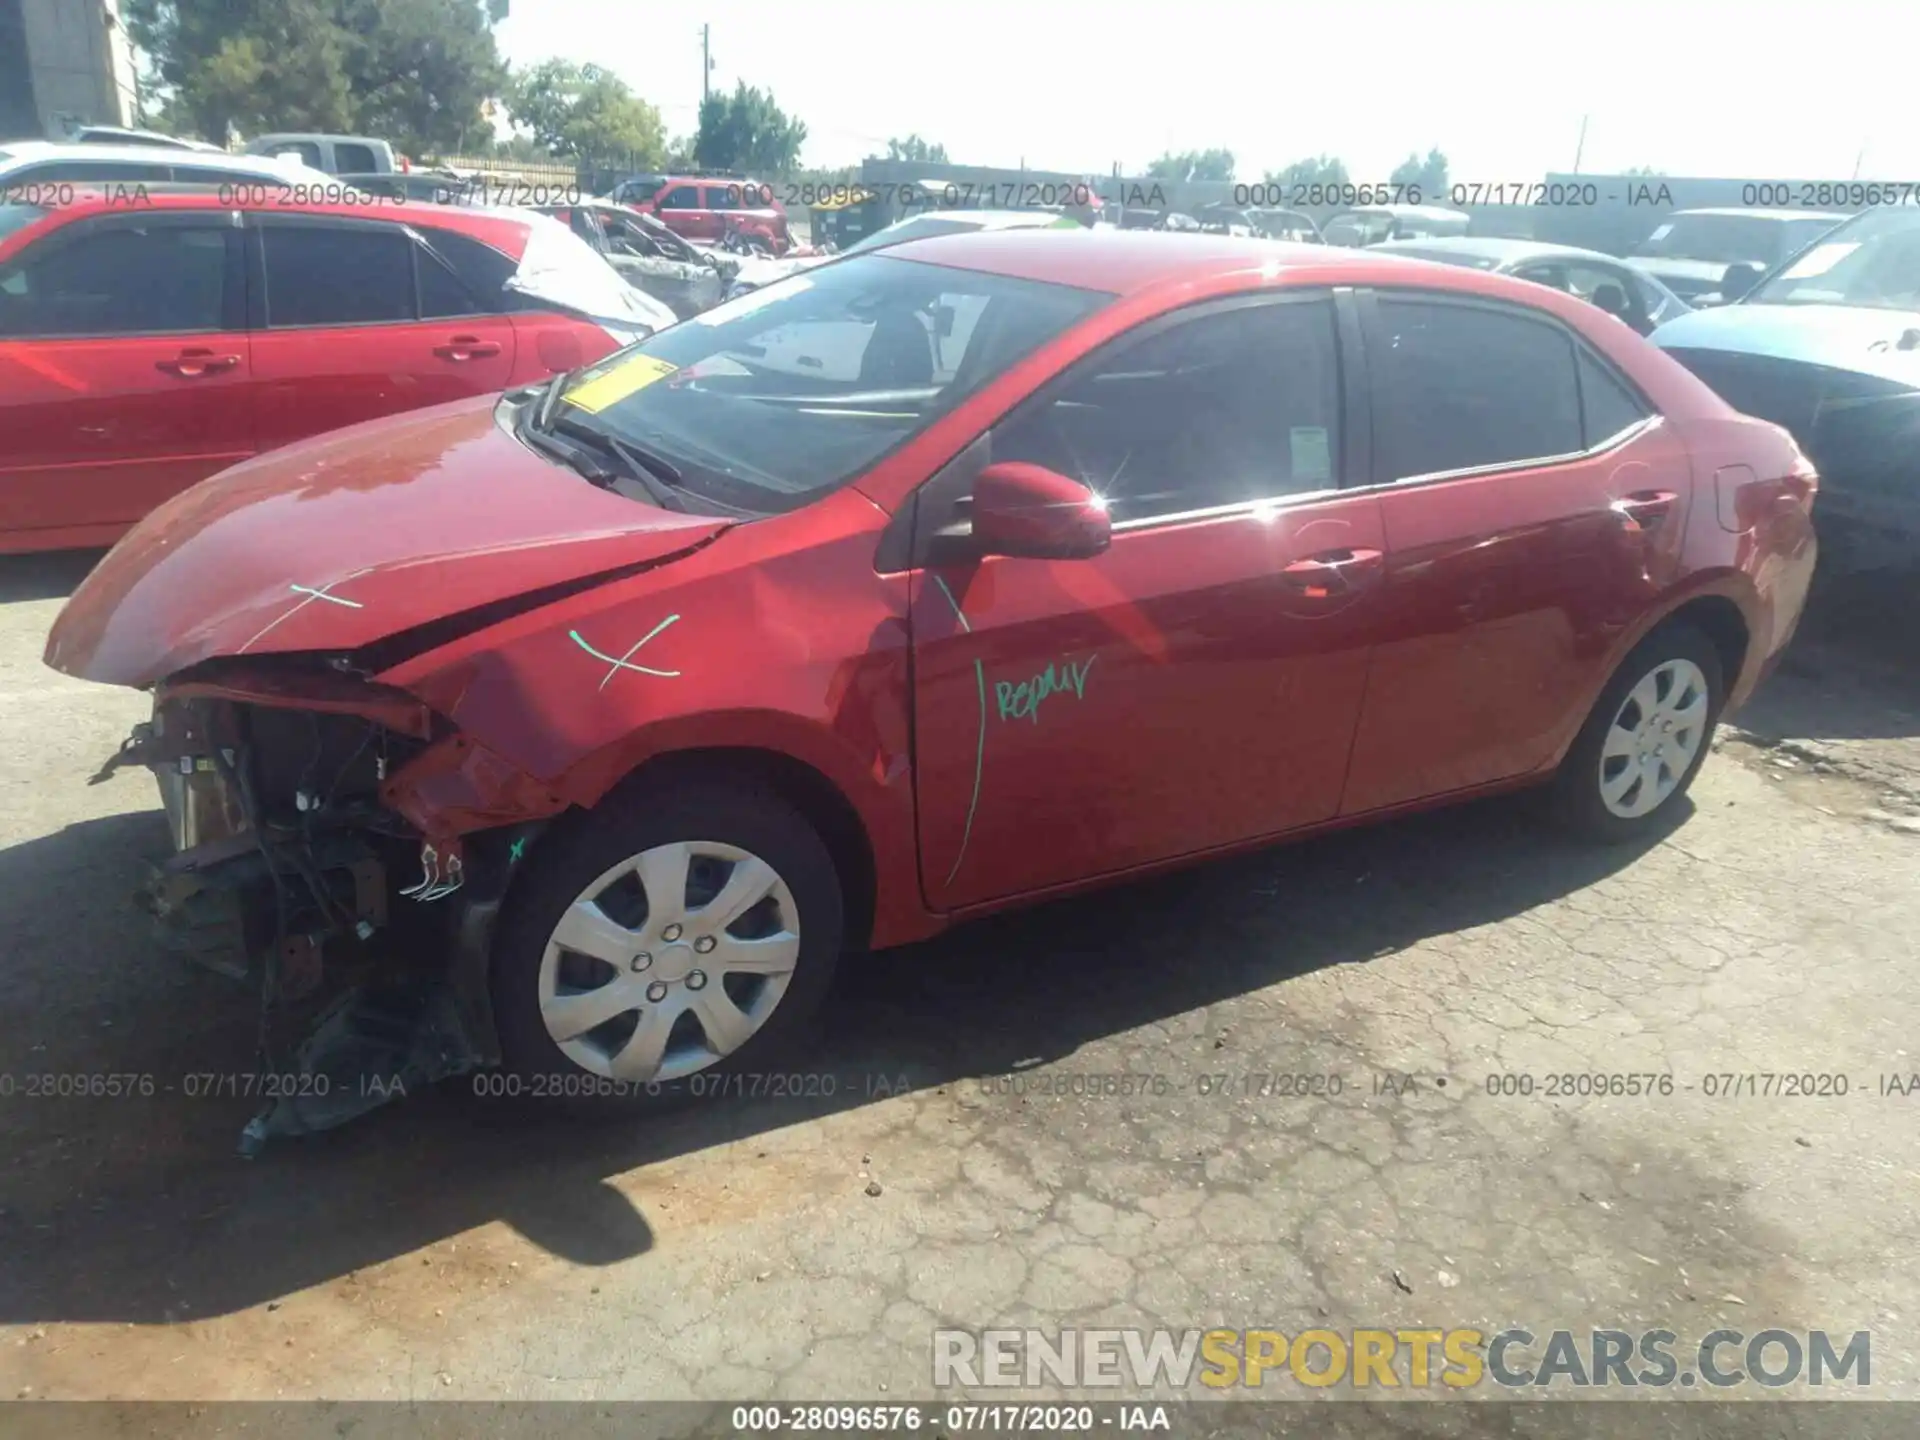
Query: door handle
point(195, 361)
point(1332, 572)
point(466, 347)
point(1644, 509)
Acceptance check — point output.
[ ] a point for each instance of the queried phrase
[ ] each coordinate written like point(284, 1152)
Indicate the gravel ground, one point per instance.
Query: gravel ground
point(453, 1248)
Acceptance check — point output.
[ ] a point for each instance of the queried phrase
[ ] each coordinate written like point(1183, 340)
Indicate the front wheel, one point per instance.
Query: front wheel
point(1645, 739)
point(678, 929)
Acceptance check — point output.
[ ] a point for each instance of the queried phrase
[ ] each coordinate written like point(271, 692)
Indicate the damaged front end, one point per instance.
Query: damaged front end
point(344, 850)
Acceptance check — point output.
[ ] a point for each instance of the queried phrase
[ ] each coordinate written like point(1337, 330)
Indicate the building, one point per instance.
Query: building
point(63, 63)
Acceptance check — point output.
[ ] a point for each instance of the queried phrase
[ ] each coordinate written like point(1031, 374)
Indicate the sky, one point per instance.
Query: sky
point(1689, 87)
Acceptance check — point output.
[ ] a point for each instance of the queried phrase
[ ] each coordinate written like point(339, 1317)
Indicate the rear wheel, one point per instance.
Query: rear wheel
point(677, 931)
point(1645, 740)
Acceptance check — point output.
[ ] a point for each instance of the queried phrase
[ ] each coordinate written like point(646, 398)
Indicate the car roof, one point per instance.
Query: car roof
point(1495, 247)
point(499, 226)
point(1126, 262)
point(19, 152)
point(1763, 214)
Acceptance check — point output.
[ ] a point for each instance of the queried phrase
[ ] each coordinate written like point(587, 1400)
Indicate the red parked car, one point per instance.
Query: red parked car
point(149, 339)
point(705, 207)
point(930, 582)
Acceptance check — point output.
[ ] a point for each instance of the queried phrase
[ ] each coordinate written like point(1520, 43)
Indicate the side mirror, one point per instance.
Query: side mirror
point(1739, 281)
point(1034, 513)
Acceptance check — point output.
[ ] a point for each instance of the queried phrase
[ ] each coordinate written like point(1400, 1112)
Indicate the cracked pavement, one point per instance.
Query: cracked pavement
point(454, 1247)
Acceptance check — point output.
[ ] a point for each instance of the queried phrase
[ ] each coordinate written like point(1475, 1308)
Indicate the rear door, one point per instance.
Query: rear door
point(124, 371)
point(1198, 684)
point(354, 319)
point(1534, 508)
point(682, 210)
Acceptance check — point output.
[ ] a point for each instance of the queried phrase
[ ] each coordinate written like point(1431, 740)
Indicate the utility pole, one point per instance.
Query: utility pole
point(1858, 161)
point(1580, 145)
point(706, 66)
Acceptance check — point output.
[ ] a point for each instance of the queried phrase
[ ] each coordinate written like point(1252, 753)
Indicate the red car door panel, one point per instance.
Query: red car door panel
point(124, 373)
point(1504, 590)
point(1182, 691)
point(341, 336)
point(1197, 684)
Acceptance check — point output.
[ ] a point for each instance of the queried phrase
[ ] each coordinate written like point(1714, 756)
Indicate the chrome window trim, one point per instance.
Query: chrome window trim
point(1290, 500)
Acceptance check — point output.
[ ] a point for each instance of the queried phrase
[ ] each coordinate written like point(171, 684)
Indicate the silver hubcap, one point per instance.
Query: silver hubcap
point(1654, 738)
point(669, 962)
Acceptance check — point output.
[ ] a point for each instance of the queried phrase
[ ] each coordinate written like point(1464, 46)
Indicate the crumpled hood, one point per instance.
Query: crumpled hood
point(337, 542)
point(1857, 338)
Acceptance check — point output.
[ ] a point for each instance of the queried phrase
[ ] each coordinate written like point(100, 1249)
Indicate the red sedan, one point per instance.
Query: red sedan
point(149, 339)
point(932, 582)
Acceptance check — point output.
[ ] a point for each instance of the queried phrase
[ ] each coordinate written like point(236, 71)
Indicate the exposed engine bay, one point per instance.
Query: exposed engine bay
point(297, 872)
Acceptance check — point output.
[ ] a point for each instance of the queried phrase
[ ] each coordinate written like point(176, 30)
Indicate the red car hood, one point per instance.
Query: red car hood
point(334, 543)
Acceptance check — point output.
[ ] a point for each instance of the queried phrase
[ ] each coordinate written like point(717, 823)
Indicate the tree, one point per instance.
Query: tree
point(1429, 174)
point(913, 148)
point(585, 112)
point(747, 131)
point(421, 71)
point(415, 72)
point(1193, 165)
point(1314, 170)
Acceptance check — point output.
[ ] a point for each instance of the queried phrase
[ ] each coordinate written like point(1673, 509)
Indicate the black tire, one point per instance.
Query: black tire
point(1575, 798)
point(632, 819)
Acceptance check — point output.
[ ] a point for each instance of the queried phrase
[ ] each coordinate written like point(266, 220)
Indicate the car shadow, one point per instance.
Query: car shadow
point(135, 1208)
point(47, 575)
point(1850, 673)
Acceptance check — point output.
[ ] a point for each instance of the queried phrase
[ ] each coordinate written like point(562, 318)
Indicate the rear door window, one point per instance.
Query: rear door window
point(337, 274)
point(126, 280)
point(355, 159)
point(681, 197)
point(1469, 386)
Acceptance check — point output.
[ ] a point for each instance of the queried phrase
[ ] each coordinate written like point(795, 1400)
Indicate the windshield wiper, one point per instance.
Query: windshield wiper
point(656, 476)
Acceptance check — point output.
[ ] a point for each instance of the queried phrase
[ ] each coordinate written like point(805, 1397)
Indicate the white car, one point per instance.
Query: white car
point(29, 165)
point(559, 266)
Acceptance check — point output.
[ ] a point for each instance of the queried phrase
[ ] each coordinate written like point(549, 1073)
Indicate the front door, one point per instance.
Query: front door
point(124, 367)
point(1199, 683)
point(354, 320)
point(1537, 510)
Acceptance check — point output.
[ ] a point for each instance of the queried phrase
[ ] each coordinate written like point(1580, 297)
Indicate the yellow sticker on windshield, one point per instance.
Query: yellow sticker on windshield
point(636, 372)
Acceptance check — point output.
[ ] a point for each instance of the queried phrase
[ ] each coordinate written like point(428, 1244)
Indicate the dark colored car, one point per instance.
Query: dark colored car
point(934, 581)
point(1690, 251)
point(1828, 345)
point(1635, 299)
point(143, 348)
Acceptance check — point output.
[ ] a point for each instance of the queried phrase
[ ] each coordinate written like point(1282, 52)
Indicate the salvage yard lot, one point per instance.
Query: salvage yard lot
point(453, 1247)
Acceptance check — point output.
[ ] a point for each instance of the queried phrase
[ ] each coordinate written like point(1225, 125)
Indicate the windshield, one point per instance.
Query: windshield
point(920, 227)
point(1444, 257)
point(770, 400)
point(1872, 260)
point(1763, 240)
